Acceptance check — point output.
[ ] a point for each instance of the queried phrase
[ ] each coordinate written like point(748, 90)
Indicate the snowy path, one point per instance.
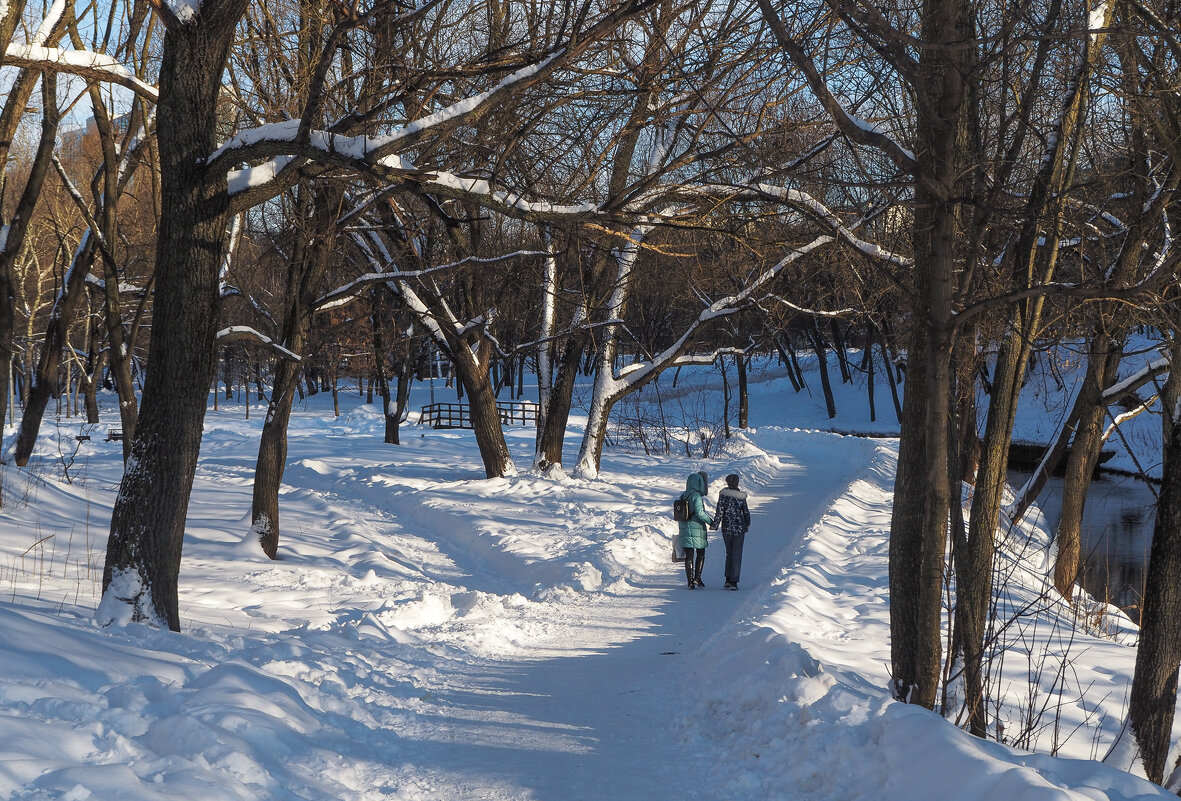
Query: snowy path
point(610, 725)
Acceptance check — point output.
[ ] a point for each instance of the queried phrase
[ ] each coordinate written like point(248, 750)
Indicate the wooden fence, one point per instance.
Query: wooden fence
point(459, 415)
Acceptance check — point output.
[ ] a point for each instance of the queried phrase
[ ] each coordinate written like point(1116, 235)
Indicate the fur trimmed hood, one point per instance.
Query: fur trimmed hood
point(732, 493)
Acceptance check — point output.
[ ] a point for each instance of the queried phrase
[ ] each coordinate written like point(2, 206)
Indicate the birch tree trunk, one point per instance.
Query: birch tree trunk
point(604, 394)
point(545, 351)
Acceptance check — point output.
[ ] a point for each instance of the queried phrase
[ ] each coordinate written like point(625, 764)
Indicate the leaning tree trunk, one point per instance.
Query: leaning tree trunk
point(789, 368)
point(16, 101)
point(975, 556)
point(45, 381)
point(272, 458)
point(1102, 362)
point(822, 362)
point(309, 261)
point(17, 228)
point(147, 523)
point(604, 395)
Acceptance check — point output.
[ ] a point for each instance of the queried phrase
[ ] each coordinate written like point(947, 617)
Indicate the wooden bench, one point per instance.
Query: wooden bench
point(114, 435)
point(82, 437)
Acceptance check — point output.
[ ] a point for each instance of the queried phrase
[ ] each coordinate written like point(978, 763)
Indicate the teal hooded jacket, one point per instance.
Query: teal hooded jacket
point(693, 532)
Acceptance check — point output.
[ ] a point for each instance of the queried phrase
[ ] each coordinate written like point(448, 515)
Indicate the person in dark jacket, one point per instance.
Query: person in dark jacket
point(692, 533)
point(733, 516)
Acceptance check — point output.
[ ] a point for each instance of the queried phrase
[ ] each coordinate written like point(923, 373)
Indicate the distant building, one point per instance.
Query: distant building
point(72, 141)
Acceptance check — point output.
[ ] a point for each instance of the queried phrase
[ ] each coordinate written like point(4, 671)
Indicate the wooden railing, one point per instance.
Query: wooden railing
point(459, 415)
point(522, 413)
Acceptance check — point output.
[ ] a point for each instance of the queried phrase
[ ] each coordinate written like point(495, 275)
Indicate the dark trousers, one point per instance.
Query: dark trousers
point(694, 561)
point(733, 555)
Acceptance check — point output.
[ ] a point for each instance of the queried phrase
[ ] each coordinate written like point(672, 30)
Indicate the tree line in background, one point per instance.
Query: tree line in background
point(307, 190)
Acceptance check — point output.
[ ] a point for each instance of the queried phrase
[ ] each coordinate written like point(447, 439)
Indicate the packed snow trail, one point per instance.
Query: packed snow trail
point(609, 724)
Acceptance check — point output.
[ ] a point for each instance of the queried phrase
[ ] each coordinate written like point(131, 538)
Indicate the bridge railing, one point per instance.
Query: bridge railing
point(459, 415)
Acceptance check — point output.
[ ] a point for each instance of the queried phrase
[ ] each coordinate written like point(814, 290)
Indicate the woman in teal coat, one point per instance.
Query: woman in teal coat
point(693, 533)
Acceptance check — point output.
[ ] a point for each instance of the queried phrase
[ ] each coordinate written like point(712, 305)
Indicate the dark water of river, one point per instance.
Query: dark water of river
point(1116, 534)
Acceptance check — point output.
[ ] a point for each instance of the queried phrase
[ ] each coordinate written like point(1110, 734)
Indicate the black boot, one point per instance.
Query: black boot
point(689, 571)
point(697, 567)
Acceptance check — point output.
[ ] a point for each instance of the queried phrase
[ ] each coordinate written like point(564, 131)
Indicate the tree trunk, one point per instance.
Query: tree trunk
point(1102, 363)
point(922, 494)
point(1048, 464)
point(743, 396)
point(787, 363)
point(974, 560)
point(484, 416)
point(725, 399)
point(838, 347)
point(119, 341)
point(383, 384)
point(16, 230)
point(1154, 686)
point(94, 366)
point(906, 533)
point(822, 362)
point(873, 411)
point(402, 396)
point(309, 260)
point(45, 383)
point(553, 434)
point(272, 459)
point(888, 367)
point(147, 522)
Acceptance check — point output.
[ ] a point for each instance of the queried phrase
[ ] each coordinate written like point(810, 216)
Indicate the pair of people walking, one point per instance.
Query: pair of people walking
point(731, 514)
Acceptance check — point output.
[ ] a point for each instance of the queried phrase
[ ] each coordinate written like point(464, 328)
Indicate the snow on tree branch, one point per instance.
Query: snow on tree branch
point(84, 63)
point(278, 143)
point(852, 126)
point(819, 211)
point(343, 295)
point(838, 314)
point(643, 371)
point(242, 333)
point(177, 12)
point(52, 18)
point(1146, 374)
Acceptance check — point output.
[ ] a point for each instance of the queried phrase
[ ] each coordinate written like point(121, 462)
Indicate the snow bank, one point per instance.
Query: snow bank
point(796, 693)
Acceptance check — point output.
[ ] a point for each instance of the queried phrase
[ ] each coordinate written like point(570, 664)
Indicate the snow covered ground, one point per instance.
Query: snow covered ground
point(431, 634)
